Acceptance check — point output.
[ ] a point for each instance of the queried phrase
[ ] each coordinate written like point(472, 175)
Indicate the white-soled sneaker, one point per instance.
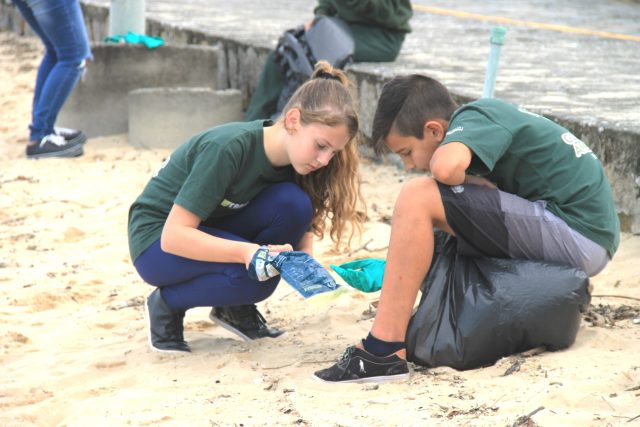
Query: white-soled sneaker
point(357, 365)
point(54, 145)
point(71, 135)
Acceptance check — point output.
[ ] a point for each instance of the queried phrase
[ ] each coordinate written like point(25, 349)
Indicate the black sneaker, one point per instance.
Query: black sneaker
point(358, 366)
point(54, 145)
point(71, 135)
point(244, 321)
point(166, 332)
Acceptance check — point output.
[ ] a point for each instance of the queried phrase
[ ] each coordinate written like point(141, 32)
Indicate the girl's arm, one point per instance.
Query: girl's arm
point(306, 243)
point(180, 236)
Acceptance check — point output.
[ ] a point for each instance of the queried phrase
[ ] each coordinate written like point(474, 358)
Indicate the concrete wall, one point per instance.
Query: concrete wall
point(98, 104)
point(166, 117)
point(240, 65)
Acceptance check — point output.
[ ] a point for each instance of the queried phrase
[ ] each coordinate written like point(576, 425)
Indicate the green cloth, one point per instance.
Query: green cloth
point(533, 157)
point(374, 42)
point(264, 100)
point(390, 14)
point(363, 274)
point(134, 38)
point(212, 175)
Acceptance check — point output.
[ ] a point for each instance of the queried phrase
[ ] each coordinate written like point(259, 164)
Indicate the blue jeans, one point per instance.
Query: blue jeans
point(60, 26)
point(280, 214)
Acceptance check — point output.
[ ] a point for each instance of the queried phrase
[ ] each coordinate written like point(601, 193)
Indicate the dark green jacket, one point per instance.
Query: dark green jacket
point(390, 14)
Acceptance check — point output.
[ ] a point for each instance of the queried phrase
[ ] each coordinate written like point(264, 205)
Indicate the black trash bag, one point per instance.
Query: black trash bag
point(297, 52)
point(474, 311)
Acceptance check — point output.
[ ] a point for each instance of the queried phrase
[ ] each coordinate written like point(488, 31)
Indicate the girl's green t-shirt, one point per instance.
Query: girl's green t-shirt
point(212, 175)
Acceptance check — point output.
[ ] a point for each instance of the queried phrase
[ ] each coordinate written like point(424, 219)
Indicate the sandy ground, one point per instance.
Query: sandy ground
point(73, 340)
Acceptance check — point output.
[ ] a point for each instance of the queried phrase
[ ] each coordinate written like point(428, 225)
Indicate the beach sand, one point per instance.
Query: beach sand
point(73, 337)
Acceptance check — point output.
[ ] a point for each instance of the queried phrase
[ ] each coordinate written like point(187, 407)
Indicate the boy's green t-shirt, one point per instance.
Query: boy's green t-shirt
point(533, 157)
point(212, 175)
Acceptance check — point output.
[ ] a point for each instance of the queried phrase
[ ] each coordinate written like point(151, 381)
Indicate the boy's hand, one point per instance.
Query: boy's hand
point(477, 180)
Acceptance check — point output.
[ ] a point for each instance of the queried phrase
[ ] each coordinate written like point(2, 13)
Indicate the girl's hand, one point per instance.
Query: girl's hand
point(279, 248)
point(273, 249)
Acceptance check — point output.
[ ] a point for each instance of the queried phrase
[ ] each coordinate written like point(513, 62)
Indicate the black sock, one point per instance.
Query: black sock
point(381, 348)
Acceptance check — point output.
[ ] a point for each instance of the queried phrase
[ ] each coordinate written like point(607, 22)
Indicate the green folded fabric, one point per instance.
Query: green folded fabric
point(134, 38)
point(363, 274)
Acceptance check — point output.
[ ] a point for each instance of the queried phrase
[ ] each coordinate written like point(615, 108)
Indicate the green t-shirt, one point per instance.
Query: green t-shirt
point(393, 15)
point(531, 156)
point(212, 175)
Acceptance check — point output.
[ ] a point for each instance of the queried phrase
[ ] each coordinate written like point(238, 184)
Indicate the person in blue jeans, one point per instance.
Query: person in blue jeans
point(60, 26)
point(221, 198)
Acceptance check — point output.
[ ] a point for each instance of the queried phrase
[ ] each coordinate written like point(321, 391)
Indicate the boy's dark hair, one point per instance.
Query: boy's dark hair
point(406, 103)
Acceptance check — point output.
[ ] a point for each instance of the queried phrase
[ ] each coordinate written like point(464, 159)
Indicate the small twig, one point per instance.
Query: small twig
point(607, 402)
point(309, 362)
point(286, 295)
point(524, 418)
point(616, 296)
point(131, 302)
point(42, 202)
point(303, 362)
point(515, 366)
point(534, 351)
point(360, 247)
point(278, 367)
point(634, 418)
point(366, 248)
point(633, 388)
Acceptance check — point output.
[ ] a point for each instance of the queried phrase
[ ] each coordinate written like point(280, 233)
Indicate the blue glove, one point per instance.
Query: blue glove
point(364, 274)
point(304, 273)
point(134, 38)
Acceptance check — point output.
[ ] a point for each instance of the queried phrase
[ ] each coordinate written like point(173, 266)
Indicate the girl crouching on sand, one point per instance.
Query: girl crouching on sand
point(232, 189)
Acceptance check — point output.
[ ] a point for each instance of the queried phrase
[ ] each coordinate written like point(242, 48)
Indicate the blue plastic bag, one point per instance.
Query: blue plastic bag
point(304, 273)
point(298, 268)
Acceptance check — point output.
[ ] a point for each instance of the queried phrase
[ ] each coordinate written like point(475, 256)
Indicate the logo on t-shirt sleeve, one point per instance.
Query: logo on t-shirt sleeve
point(231, 205)
point(162, 166)
point(454, 130)
point(579, 147)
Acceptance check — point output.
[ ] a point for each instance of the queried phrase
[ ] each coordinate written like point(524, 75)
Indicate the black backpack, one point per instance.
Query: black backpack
point(297, 52)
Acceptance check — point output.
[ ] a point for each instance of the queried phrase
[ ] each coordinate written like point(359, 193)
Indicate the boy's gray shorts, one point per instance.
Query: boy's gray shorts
point(490, 222)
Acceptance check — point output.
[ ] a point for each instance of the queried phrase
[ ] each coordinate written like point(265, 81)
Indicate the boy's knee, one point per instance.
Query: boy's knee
point(419, 190)
point(421, 195)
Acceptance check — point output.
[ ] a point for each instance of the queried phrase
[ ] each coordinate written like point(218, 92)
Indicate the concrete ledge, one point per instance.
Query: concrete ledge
point(167, 117)
point(98, 104)
point(240, 64)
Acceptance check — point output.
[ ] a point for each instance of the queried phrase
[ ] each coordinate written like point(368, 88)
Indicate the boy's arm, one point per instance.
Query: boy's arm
point(449, 163)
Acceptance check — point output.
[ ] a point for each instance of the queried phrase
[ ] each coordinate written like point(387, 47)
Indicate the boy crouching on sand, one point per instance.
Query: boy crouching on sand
point(506, 182)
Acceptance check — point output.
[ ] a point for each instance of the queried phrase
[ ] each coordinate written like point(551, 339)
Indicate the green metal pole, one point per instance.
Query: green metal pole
point(496, 40)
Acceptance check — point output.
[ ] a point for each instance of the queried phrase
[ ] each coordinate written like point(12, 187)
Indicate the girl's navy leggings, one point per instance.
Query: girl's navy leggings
point(279, 214)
